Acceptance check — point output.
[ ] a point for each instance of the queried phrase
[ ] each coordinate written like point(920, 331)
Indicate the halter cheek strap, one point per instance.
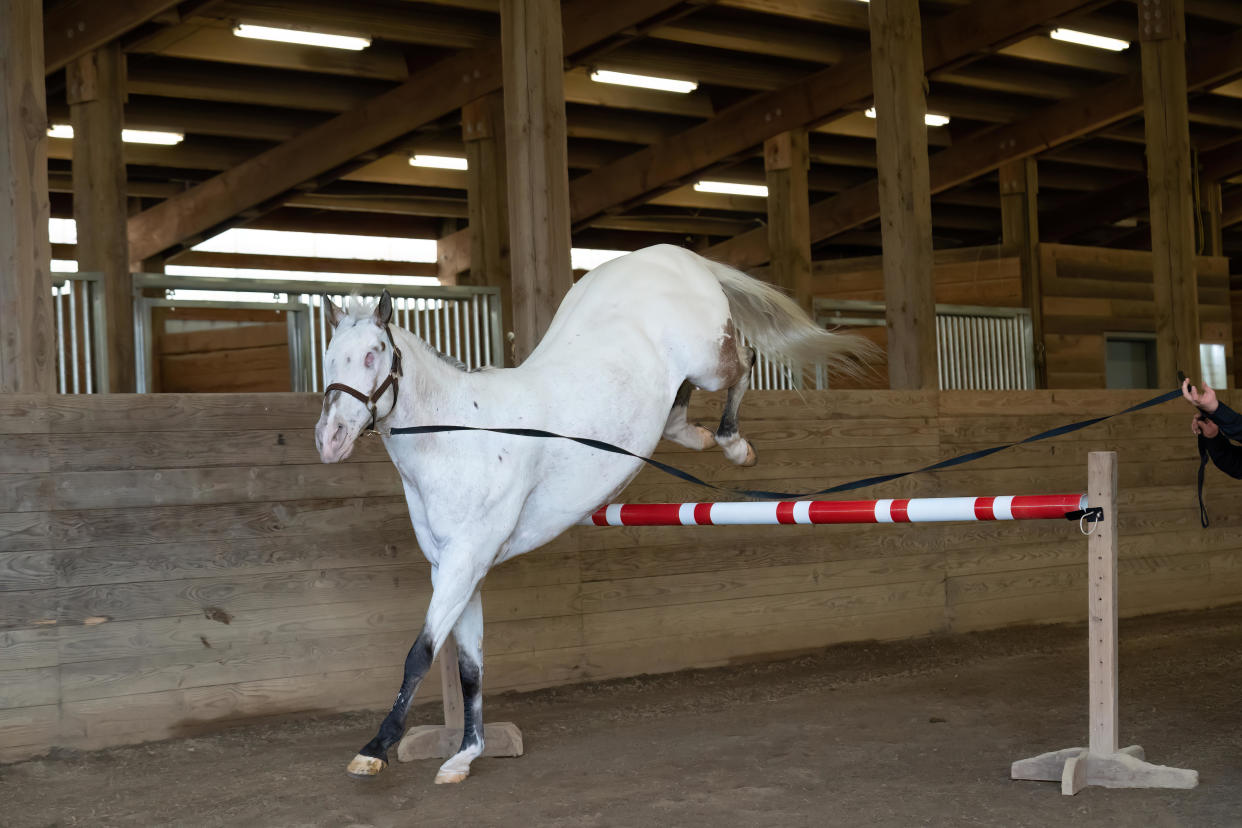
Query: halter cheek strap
point(393, 379)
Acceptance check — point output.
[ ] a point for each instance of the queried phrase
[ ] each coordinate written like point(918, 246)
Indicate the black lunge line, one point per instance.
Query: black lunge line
point(759, 494)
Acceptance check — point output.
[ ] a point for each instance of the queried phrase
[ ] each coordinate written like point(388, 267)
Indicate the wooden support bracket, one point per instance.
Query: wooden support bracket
point(1101, 763)
point(442, 741)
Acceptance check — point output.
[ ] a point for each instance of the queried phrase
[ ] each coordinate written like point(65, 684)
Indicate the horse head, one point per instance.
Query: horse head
point(361, 367)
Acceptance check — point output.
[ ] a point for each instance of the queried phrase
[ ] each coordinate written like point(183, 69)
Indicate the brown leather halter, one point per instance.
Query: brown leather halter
point(393, 378)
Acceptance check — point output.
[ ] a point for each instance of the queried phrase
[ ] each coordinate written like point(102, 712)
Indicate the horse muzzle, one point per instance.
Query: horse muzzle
point(335, 439)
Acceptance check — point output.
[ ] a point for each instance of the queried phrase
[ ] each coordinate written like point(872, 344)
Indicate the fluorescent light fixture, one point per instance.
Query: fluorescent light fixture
point(443, 162)
point(1112, 44)
point(644, 81)
point(71, 266)
point(353, 43)
point(149, 136)
point(732, 188)
point(931, 118)
point(129, 136)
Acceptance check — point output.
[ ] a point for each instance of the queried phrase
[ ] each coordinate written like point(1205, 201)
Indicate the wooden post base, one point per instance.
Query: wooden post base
point(1076, 768)
point(440, 742)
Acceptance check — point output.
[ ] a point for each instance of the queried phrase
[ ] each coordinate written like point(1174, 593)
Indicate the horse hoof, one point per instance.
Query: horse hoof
point(365, 767)
point(707, 436)
point(451, 777)
point(751, 457)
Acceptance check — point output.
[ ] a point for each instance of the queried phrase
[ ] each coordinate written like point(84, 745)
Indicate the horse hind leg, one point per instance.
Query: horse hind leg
point(468, 632)
point(731, 442)
point(679, 429)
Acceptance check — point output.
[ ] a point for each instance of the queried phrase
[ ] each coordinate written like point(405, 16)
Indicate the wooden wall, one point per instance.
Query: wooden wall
point(246, 350)
point(1088, 291)
point(176, 563)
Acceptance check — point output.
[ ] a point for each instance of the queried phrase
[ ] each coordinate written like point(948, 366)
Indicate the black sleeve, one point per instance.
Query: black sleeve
point(1226, 455)
point(1230, 421)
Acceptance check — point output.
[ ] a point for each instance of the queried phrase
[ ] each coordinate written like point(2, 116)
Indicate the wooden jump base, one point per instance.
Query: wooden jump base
point(1101, 763)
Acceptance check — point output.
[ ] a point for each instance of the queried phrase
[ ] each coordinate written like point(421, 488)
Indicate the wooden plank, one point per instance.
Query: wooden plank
point(27, 360)
point(234, 370)
point(118, 450)
point(28, 731)
point(94, 527)
point(801, 609)
point(904, 197)
point(183, 413)
point(29, 688)
point(1170, 204)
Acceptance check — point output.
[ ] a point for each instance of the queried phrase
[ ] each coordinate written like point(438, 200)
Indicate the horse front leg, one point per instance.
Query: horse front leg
point(468, 632)
point(453, 584)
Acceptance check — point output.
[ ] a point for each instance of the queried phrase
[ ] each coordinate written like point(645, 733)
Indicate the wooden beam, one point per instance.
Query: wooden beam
point(905, 199)
point(981, 153)
point(483, 131)
point(637, 177)
point(1220, 163)
point(304, 264)
point(1170, 206)
point(77, 27)
point(538, 175)
point(786, 162)
point(27, 361)
point(332, 149)
point(1019, 198)
point(96, 93)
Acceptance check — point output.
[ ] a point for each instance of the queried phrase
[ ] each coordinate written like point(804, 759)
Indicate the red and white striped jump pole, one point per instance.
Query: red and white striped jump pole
point(913, 510)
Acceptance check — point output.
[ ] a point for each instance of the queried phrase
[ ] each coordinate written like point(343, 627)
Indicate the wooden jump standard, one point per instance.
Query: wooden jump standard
point(1101, 763)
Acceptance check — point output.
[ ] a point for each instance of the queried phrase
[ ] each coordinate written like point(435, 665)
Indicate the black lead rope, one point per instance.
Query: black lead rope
point(760, 494)
point(1203, 461)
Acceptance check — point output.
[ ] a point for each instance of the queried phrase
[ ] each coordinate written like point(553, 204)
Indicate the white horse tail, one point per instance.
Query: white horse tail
point(779, 327)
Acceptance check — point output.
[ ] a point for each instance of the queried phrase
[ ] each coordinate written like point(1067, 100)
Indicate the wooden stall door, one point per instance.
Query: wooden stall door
point(220, 350)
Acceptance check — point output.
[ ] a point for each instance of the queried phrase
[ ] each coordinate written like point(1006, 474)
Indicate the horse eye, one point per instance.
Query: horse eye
point(370, 360)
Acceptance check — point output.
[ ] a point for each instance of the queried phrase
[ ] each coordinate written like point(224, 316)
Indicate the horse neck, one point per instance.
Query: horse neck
point(428, 385)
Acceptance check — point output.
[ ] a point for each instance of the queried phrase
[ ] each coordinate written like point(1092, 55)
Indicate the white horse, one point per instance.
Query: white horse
point(618, 363)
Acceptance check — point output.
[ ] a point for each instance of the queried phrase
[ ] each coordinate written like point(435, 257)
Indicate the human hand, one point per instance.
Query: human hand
point(1205, 401)
point(1204, 427)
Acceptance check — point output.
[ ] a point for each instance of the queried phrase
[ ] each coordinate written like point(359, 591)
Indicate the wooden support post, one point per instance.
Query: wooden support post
point(787, 160)
point(27, 360)
point(483, 130)
point(1162, 35)
point(1019, 197)
point(1210, 210)
point(96, 92)
point(1101, 763)
point(538, 173)
point(442, 741)
point(905, 194)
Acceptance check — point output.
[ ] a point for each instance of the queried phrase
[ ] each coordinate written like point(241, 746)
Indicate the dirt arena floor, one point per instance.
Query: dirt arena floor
point(914, 733)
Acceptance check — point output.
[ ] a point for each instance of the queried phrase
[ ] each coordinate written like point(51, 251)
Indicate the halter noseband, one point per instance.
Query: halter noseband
point(393, 378)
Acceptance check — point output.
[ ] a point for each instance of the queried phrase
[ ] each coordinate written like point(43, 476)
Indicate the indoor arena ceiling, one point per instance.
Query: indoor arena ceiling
point(234, 98)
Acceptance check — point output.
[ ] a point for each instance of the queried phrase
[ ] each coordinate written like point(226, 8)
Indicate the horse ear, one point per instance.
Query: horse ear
point(335, 314)
point(383, 311)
